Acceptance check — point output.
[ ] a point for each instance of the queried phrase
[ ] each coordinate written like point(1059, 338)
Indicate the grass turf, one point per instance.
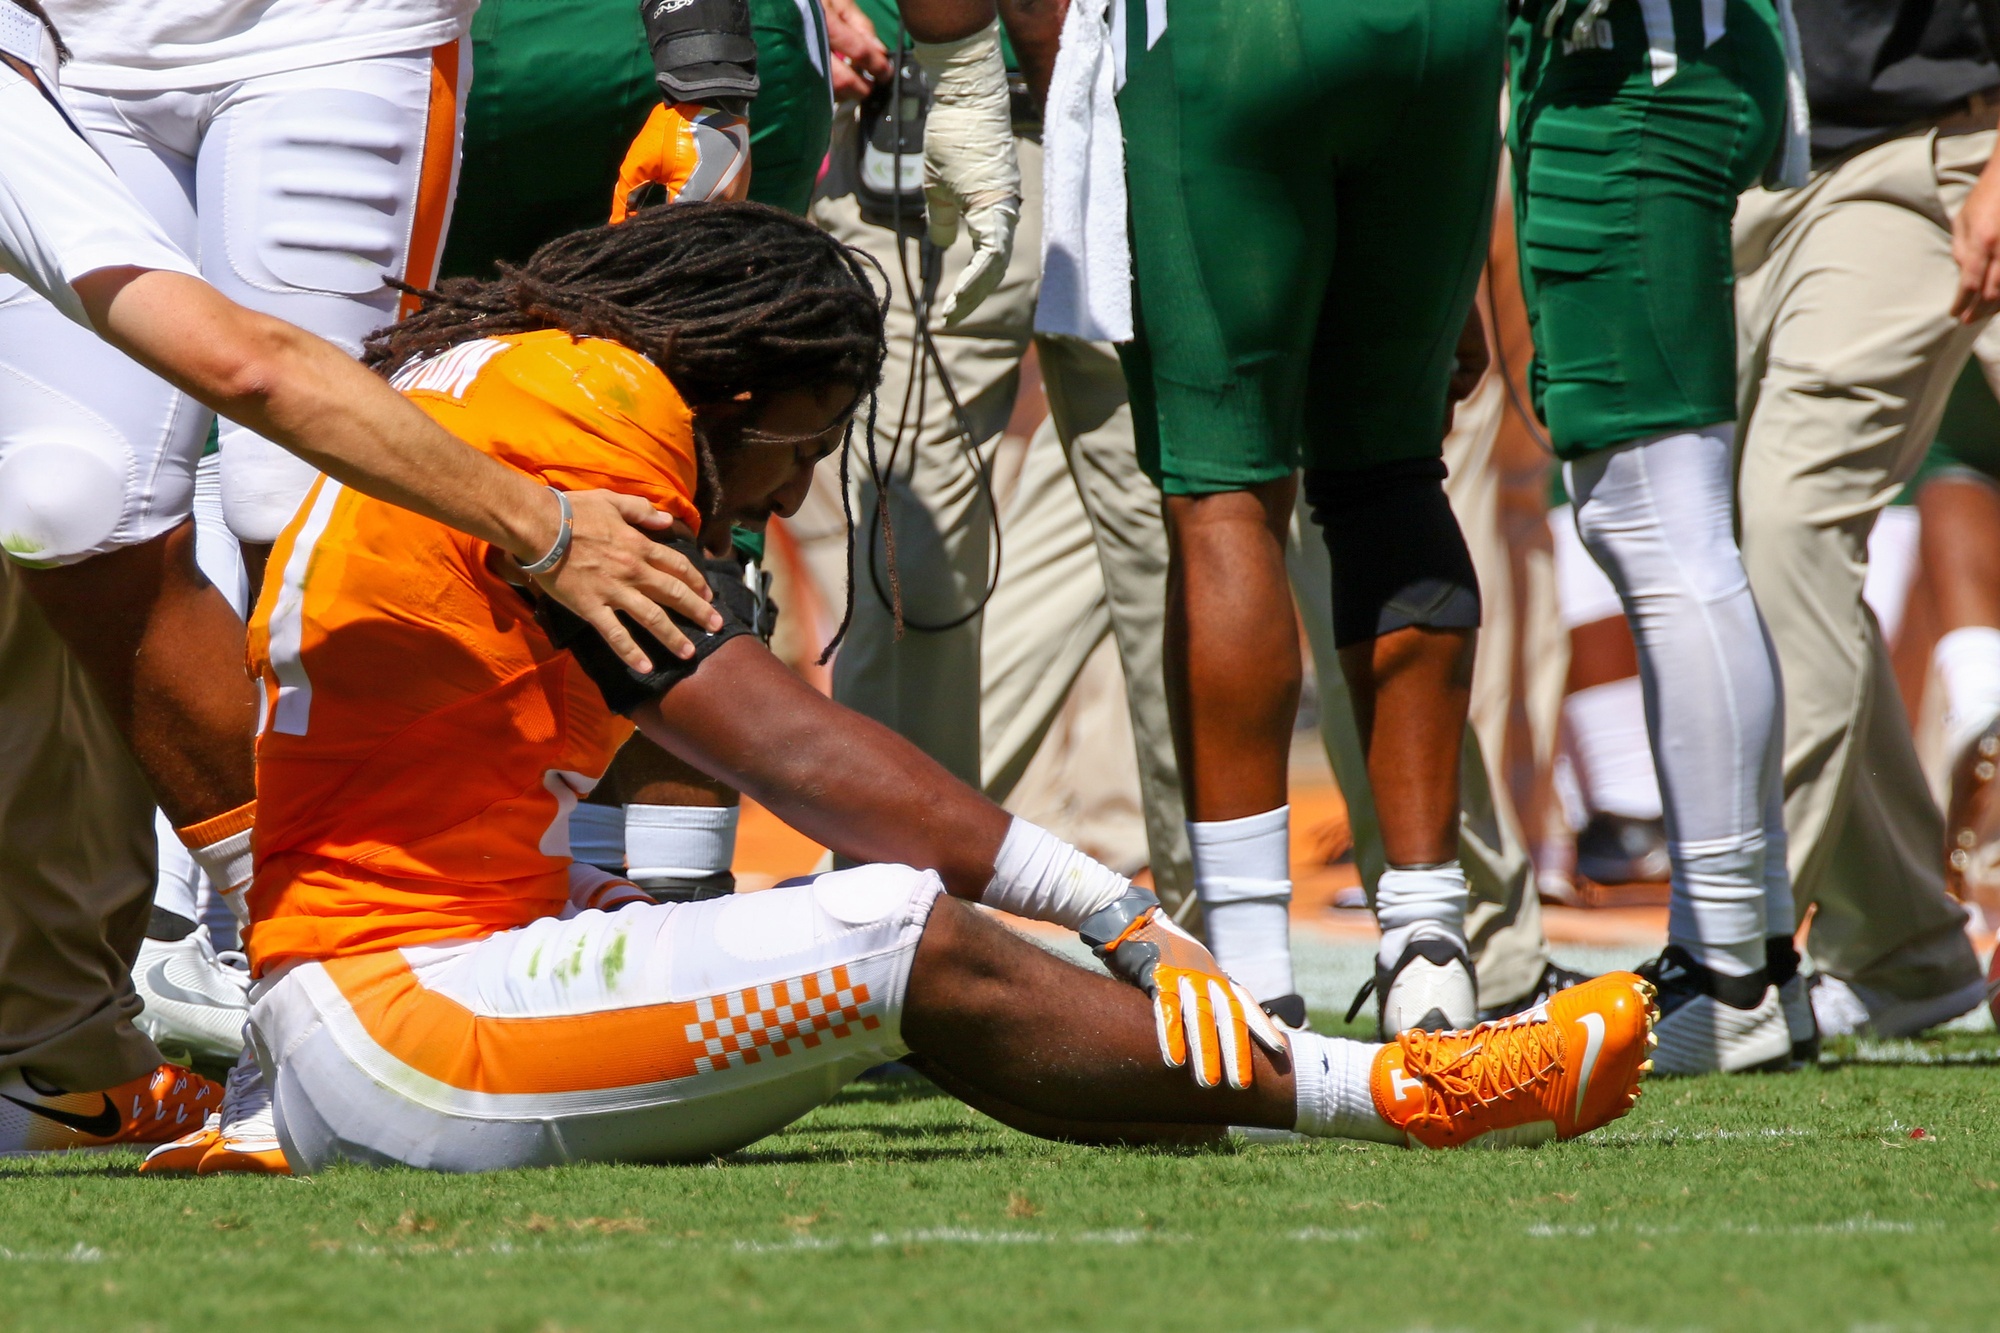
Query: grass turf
point(1801, 1201)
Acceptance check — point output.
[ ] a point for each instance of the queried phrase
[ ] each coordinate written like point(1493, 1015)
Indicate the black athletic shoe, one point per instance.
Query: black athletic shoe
point(1711, 1023)
point(1617, 849)
point(1781, 961)
point(1289, 1010)
point(1555, 977)
point(671, 889)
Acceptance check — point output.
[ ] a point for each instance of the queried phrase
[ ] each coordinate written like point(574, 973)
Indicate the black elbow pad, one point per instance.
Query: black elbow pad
point(703, 50)
point(625, 689)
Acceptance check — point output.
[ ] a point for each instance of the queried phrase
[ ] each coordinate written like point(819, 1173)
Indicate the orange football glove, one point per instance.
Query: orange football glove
point(683, 153)
point(1203, 1019)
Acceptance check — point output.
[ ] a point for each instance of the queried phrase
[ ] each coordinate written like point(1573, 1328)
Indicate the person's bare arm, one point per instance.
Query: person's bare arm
point(1975, 244)
point(1035, 29)
point(844, 780)
point(320, 404)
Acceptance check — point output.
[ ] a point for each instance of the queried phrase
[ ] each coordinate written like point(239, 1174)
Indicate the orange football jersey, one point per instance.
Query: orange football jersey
point(421, 742)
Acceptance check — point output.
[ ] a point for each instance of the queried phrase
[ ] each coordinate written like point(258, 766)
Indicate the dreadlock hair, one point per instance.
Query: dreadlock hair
point(728, 299)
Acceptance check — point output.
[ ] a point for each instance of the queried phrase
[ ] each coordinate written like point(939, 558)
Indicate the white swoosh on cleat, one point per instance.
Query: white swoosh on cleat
point(1593, 1026)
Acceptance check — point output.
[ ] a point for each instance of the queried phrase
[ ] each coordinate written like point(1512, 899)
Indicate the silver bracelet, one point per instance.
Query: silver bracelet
point(561, 547)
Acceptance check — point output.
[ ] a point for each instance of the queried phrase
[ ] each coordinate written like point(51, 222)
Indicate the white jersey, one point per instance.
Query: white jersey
point(62, 212)
point(169, 45)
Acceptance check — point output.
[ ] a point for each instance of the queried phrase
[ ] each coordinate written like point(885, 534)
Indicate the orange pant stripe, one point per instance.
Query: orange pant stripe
point(439, 176)
point(442, 1039)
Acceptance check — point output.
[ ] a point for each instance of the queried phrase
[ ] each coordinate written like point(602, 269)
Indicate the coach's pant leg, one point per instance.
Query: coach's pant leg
point(306, 229)
point(76, 865)
point(1849, 354)
point(1092, 415)
point(924, 684)
point(1086, 555)
point(1504, 921)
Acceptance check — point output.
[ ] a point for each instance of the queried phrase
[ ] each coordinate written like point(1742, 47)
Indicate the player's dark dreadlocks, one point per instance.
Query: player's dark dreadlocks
point(728, 299)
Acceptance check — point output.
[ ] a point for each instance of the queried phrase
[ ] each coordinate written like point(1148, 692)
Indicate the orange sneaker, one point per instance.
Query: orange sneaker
point(1555, 1071)
point(37, 1116)
point(182, 1157)
point(246, 1139)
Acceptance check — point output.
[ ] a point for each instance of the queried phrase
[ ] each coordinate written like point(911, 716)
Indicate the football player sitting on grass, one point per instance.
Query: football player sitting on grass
point(441, 986)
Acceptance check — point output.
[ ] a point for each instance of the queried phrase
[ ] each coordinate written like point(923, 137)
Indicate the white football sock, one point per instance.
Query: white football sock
point(597, 835)
point(1607, 725)
point(175, 889)
point(1968, 665)
point(1331, 1075)
point(1421, 903)
point(679, 841)
point(1243, 875)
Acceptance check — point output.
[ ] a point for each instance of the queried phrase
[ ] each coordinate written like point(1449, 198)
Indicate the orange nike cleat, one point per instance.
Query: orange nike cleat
point(1555, 1071)
point(182, 1156)
point(240, 1138)
point(37, 1116)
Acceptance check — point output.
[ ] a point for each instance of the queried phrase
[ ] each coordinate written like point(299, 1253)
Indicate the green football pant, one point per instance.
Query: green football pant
point(1624, 185)
point(1311, 185)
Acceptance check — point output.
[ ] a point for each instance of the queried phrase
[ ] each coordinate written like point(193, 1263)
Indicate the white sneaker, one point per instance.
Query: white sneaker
point(1715, 1024)
point(196, 1000)
point(1429, 986)
point(1846, 1008)
point(249, 1129)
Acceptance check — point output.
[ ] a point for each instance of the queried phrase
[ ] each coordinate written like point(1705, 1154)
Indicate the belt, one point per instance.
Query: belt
point(1968, 115)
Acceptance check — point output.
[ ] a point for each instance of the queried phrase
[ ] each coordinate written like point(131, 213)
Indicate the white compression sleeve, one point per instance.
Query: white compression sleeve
point(1657, 514)
point(683, 841)
point(1039, 876)
point(1243, 873)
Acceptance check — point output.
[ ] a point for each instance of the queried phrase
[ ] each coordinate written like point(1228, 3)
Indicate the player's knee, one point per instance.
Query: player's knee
point(871, 895)
point(1399, 559)
point(60, 502)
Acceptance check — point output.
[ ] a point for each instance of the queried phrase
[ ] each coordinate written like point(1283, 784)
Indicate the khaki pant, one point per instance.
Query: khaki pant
point(76, 865)
point(1504, 924)
point(1084, 550)
point(1847, 351)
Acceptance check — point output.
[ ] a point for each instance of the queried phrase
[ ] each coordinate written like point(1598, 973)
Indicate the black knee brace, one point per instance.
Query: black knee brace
point(1398, 556)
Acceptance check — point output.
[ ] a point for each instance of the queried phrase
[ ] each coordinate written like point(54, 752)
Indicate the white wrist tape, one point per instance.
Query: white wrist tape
point(1041, 877)
point(969, 137)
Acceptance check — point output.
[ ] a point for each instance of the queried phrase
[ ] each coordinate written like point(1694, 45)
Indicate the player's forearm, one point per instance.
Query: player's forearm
point(845, 781)
point(310, 397)
point(1035, 29)
point(946, 20)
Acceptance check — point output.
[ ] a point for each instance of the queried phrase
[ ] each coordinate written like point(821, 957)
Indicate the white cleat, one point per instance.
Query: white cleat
point(196, 1000)
point(1429, 987)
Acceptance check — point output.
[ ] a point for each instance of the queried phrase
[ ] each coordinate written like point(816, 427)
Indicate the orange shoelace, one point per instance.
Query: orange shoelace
point(1489, 1064)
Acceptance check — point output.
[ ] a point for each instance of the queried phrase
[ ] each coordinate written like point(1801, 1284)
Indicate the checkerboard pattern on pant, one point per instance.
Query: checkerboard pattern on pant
point(734, 1028)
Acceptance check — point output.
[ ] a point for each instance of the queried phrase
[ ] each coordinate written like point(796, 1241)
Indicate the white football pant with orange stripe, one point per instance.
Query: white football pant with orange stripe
point(297, 192)
point(657, 1032)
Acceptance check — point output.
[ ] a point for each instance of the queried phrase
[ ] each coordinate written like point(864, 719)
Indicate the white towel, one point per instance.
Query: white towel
point(1086, 254)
